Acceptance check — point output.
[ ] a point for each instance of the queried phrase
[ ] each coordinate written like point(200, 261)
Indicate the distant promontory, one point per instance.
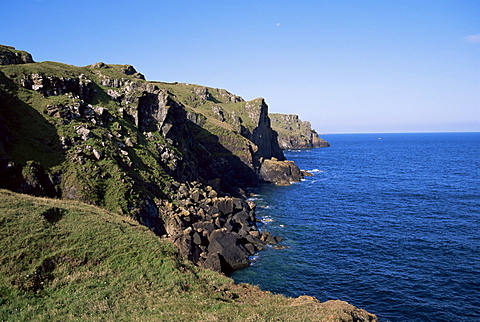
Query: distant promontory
point(293, 133)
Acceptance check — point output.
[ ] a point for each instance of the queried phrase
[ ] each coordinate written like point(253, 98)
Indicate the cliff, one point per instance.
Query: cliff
point(294, 133)
point(9, 55)
point(175, 157)
point(172, 157)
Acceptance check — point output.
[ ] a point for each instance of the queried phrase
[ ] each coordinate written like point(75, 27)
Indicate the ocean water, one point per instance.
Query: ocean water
point(388, 222)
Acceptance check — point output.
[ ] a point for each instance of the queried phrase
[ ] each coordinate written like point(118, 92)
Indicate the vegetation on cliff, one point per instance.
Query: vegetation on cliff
point(160, 153)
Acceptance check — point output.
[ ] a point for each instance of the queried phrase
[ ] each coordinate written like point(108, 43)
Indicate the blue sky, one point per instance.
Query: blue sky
point(346, 66)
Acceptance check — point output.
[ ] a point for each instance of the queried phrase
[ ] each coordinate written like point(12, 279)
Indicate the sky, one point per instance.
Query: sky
point(347, 66)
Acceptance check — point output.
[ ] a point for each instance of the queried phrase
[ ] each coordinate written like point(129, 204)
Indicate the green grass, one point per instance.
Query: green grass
point(64, 260)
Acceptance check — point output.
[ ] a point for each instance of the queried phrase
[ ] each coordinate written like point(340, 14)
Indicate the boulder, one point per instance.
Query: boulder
point(268, 238)
point(226, 244)
point(280, 172)
point(238, 204)
point(242, 218)
point(208, 226)
point(213, 262)
point(257, 243)
point(224, 205)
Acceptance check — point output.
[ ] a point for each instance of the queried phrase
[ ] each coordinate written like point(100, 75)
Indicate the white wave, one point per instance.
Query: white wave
point(266, 219)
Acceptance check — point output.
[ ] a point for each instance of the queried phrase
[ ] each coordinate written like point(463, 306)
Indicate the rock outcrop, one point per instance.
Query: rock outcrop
point(280, 172)
point(10, 56)
point(213, 230)
point(294, 133)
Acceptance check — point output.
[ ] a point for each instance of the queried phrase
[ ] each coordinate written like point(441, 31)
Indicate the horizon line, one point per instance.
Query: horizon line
point(399, 132)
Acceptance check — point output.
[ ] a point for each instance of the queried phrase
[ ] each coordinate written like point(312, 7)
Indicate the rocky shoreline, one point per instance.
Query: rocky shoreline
point(214, 231)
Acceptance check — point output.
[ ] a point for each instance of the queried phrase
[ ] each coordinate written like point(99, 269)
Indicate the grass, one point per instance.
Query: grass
point(65, 260)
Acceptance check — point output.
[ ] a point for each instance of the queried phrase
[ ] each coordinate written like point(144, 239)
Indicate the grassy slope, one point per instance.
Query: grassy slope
point(65, 260)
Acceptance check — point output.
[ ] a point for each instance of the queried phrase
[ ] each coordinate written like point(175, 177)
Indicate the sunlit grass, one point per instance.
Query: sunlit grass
point(65, 260)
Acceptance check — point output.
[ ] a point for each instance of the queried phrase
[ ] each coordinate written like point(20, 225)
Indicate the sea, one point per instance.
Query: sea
point(387, 222)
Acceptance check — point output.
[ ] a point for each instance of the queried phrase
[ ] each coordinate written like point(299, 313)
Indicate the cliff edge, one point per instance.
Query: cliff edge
point(66, 260)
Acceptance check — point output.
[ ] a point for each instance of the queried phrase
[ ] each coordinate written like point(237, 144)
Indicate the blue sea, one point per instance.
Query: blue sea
point(388, 222)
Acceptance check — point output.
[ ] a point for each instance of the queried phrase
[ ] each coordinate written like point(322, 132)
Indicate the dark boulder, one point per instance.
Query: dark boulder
point(225, 205)
point(227, 245)
point(257, 243)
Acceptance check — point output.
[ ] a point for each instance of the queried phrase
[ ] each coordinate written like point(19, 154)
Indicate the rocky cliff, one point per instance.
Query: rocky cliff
point(174, 156)
point(294, 133)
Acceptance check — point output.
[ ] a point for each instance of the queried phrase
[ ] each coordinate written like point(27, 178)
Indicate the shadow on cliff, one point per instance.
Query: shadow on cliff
point(214, 161)
point(29, 145)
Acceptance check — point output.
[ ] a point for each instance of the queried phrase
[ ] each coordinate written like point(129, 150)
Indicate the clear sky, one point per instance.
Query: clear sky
point(344, 65)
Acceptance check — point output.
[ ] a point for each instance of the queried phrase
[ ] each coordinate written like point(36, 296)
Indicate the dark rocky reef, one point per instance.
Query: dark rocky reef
point(294, 133)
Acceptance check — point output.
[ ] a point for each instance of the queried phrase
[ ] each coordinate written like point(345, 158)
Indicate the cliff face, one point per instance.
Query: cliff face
point(173, 156)
point(294, 133)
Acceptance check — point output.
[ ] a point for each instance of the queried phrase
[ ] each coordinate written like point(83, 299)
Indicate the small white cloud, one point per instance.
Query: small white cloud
point(473, 39)
point(278, 24)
